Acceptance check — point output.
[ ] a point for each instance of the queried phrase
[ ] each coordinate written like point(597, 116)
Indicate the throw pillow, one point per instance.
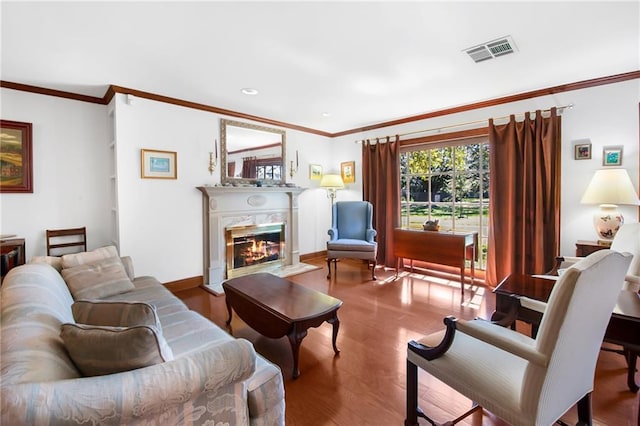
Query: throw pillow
point(97, 279)
point(99, 350)
point(115, 313)
point(75, 259)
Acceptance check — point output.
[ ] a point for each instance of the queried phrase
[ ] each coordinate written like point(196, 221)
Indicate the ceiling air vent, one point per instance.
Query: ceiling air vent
point(492, 49)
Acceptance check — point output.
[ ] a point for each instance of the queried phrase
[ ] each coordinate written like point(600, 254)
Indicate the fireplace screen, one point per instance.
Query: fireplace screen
point(254, 248)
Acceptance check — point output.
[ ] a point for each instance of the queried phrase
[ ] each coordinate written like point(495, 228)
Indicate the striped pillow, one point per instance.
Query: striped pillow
point(97, 279)
point(100, 350)
point(115, 313)
point(75, 259)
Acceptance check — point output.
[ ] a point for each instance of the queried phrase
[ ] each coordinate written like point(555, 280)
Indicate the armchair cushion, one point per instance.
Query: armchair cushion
point(351, 245)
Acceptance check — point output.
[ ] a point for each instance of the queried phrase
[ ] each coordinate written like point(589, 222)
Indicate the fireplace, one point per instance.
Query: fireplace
point(254, 248)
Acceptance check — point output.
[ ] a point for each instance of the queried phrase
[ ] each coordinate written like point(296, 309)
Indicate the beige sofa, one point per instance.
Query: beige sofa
point(213, 378)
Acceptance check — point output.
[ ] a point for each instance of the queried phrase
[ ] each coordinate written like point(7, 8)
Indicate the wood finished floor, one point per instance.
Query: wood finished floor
point(365, 383)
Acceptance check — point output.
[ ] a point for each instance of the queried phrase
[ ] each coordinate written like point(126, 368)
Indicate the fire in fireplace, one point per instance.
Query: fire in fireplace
point(254, 248)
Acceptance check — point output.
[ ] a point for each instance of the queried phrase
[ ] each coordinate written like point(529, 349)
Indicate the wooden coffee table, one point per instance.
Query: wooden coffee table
point(275, 307)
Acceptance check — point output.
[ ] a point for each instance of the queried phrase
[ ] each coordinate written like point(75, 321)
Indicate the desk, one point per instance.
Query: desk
point(441, 247)
point(623, 328)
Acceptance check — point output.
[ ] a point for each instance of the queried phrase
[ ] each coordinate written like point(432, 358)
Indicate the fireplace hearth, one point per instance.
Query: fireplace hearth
point(254, 248)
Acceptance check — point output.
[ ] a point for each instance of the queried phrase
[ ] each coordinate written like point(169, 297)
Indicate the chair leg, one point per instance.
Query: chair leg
point(412, 395)
point(584, 411)
point(373, 271)
point(329, 267)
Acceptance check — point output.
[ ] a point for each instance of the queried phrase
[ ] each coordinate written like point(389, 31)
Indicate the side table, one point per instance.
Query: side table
point(585, 248)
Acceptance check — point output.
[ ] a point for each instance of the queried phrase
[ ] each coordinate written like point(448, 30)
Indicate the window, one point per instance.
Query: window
point(448, 182)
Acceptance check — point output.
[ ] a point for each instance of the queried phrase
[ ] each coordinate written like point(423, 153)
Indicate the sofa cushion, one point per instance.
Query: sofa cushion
point(97, 279)
point(115, 313)
point(75, 259)
point(54, 261)
point(100, 350)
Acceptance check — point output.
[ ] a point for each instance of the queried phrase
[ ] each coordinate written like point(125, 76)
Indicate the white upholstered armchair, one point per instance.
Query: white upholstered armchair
point(352, 234)
point(524, 380)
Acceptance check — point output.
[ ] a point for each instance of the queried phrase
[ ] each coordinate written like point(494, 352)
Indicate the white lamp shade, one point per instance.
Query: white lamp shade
point(331, 181)
point(611, 186)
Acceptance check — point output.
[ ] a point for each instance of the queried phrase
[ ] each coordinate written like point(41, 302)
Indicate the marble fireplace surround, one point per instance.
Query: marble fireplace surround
point(226, 206)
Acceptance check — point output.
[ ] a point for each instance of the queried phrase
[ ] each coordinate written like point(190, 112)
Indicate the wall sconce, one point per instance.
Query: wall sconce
point(609, 188)
point(213, 162)
point(294, 170)
point(331, 183)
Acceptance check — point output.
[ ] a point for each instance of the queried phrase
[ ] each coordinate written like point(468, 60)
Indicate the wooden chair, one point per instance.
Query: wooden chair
point(66, 241)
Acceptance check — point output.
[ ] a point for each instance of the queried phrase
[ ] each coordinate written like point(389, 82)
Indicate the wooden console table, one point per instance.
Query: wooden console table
point(441, 247)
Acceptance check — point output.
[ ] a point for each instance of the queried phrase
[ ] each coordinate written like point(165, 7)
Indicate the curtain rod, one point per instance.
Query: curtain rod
point(560, 109)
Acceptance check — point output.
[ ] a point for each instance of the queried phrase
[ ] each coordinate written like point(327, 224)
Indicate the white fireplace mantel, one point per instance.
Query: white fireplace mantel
point(226, 206)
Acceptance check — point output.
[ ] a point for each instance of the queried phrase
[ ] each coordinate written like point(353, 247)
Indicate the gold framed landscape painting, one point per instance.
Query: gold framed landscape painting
point(159, 164)
point(16, 160)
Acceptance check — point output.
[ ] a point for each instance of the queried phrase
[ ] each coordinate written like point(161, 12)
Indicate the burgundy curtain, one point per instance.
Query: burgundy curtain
point(381, 187)
point(249, 165)
point(524, 189)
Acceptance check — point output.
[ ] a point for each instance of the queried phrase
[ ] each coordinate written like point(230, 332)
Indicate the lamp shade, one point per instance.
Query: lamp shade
point(611, 186)
point(331, 181)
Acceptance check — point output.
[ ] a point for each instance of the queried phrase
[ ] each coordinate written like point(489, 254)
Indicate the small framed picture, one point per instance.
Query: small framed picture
point(159, 164)
point(582, 151)
point(348, 171)
point(612, 155)
point(315, 171)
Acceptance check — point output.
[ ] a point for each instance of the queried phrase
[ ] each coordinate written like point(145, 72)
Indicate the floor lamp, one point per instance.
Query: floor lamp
point(331, 183)
point(609, 188)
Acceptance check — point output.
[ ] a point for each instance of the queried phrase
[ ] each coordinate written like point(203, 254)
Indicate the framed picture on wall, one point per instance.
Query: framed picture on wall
point(159, 164)
point(348, 171)
point(16, 158)
point(582, 151)
point(315, 171)
point(612, 155)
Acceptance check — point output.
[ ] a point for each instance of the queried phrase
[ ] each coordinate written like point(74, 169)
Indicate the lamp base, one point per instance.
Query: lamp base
point(607, 221)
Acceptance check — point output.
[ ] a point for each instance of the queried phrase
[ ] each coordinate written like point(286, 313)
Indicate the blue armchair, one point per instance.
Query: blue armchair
point(352, 234)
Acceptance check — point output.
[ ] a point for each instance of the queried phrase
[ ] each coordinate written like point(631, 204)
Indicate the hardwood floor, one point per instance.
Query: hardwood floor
point(365, 383)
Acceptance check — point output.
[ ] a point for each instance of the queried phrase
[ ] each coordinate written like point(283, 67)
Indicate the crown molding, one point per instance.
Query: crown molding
point(113, 89)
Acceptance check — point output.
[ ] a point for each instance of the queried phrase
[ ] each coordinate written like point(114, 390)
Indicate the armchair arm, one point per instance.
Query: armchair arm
point(504, 338)
point(333, 234)
point(533, 304)
point(168, 393)
point(492, 334)
point(371, 234)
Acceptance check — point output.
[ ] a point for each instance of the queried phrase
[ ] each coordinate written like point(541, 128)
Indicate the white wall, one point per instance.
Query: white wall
point(69, 176)
point(607, 115)
point(161, 220)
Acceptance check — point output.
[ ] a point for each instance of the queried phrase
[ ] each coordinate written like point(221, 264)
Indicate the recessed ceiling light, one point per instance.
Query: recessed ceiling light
point(326, 114)
point(249, 91)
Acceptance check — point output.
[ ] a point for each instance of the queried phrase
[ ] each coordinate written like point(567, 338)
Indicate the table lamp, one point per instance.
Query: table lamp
point(609, 188)
point(331, 183)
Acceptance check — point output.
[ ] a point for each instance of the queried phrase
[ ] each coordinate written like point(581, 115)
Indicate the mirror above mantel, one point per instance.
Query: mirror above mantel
point(251, 153)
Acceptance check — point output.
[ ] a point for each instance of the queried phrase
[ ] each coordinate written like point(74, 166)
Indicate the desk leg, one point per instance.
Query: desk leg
point(632, 357)
point(462, 280)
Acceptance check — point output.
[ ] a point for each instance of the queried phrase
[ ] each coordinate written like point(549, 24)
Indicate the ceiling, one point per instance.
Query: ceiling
point(361, 62)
